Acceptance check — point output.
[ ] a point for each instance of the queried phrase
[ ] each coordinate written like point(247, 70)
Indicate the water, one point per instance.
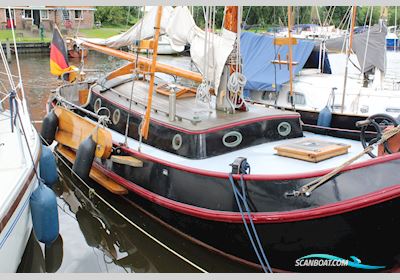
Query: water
point(93, 238)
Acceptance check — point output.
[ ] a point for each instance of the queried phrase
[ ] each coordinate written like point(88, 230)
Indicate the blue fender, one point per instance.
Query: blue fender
point(325, 117)
point(48, 167)
point(44, 211)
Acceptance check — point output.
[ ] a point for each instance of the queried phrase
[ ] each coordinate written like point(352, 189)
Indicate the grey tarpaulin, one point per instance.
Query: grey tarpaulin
point(376, 51)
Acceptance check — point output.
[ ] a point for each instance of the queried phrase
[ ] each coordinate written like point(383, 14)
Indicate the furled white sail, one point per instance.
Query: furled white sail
point(180, 29)
point(139, 31)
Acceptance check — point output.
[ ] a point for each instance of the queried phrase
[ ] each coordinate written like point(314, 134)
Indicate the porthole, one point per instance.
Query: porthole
point(177, 142)
point(232, 139)
point(284, 129)
point(116, 116)
point(97, 105)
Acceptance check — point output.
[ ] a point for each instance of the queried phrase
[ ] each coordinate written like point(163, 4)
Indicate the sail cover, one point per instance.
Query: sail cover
point(258, 52)
point(143, 29)
point(376, 49)
point(180, 28)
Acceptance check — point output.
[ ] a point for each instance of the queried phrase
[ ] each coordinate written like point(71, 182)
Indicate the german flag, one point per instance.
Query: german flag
point(58, 58)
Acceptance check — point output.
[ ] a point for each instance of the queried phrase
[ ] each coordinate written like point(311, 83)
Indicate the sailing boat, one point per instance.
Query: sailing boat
point(185, 155)
point(321, 96)
point(25, 202)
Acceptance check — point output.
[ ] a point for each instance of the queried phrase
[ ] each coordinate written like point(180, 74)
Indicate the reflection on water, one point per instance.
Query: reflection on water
point(93, 238)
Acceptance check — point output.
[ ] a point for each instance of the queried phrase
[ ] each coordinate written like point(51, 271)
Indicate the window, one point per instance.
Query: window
point(44, 14)
point(8, 14)
point(78, 14)
point(28, 14)
point(269, 95)
point(298, 98)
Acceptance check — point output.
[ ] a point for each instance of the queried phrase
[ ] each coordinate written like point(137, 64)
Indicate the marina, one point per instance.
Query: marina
point(203, 160)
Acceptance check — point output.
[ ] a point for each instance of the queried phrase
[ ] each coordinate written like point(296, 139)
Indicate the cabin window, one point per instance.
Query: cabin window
point(177, 142)
point(284, 129)
point(28, 14)
point(232, 139)
point(270, 95)
point(78, 14)
point(44, 14)
point(116, 116)
point(393, 110)
point(338, 107)
point(299, 98)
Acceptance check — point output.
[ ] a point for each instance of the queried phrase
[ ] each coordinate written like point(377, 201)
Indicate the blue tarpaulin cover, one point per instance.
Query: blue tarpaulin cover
point(258, 52)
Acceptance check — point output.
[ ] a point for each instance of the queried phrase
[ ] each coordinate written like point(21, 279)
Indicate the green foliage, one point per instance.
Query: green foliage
point(261, 16)
point(116, 15)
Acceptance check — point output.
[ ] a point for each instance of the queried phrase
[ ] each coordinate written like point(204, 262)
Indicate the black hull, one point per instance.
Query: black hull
point(353, 214)
point(369, 232)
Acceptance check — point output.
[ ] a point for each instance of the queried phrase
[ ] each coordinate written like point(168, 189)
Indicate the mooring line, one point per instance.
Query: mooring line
point(93, 191)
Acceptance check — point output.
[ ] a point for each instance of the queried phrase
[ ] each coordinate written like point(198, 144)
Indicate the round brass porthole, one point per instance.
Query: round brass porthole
point(284, 129)
point(177, 142)
point(116, 116)
point(232, 139)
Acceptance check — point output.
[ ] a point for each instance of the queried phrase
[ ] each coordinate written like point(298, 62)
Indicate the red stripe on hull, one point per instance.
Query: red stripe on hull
point(380, 196)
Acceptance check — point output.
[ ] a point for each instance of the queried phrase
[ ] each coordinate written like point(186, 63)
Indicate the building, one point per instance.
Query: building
point(32, 17)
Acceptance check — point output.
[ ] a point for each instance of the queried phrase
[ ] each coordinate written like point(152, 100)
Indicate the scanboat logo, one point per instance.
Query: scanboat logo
point(330, 260)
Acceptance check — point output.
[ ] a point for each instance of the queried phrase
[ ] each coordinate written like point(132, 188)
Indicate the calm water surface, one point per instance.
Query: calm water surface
point(93, 238)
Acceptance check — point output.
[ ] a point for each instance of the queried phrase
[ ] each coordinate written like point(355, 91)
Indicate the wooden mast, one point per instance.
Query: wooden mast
point(353, 22)
point(145, 127)
point(231, 18)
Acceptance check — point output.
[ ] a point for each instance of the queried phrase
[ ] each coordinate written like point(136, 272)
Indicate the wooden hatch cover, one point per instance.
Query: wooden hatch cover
point(180, 91)
point(312, 150)
point(73, 129)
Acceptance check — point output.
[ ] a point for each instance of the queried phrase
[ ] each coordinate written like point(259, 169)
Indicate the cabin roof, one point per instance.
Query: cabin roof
point(191, 115)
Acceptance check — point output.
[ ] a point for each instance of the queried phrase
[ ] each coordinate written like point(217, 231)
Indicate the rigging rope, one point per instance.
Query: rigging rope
point(242, 198)
point(133, 85)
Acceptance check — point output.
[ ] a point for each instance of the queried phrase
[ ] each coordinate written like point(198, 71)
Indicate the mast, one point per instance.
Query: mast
point(290, 54)
point(231, 18)
point(145, 127)
point(353, 21)
point(231, 24)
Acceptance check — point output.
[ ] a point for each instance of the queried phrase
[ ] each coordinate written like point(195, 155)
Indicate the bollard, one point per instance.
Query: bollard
point(8, 50)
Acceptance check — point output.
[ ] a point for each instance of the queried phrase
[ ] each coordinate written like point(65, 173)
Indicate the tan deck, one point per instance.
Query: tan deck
point(190, 116)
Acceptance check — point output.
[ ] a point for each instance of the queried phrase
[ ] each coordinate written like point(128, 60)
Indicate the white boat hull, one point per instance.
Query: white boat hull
point(15, 235)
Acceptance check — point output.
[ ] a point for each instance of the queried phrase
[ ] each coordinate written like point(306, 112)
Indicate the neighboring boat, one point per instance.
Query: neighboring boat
point(18, 181)
point(316, 89)
point(307, 193)
point(25, 200)
point(392, 40)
